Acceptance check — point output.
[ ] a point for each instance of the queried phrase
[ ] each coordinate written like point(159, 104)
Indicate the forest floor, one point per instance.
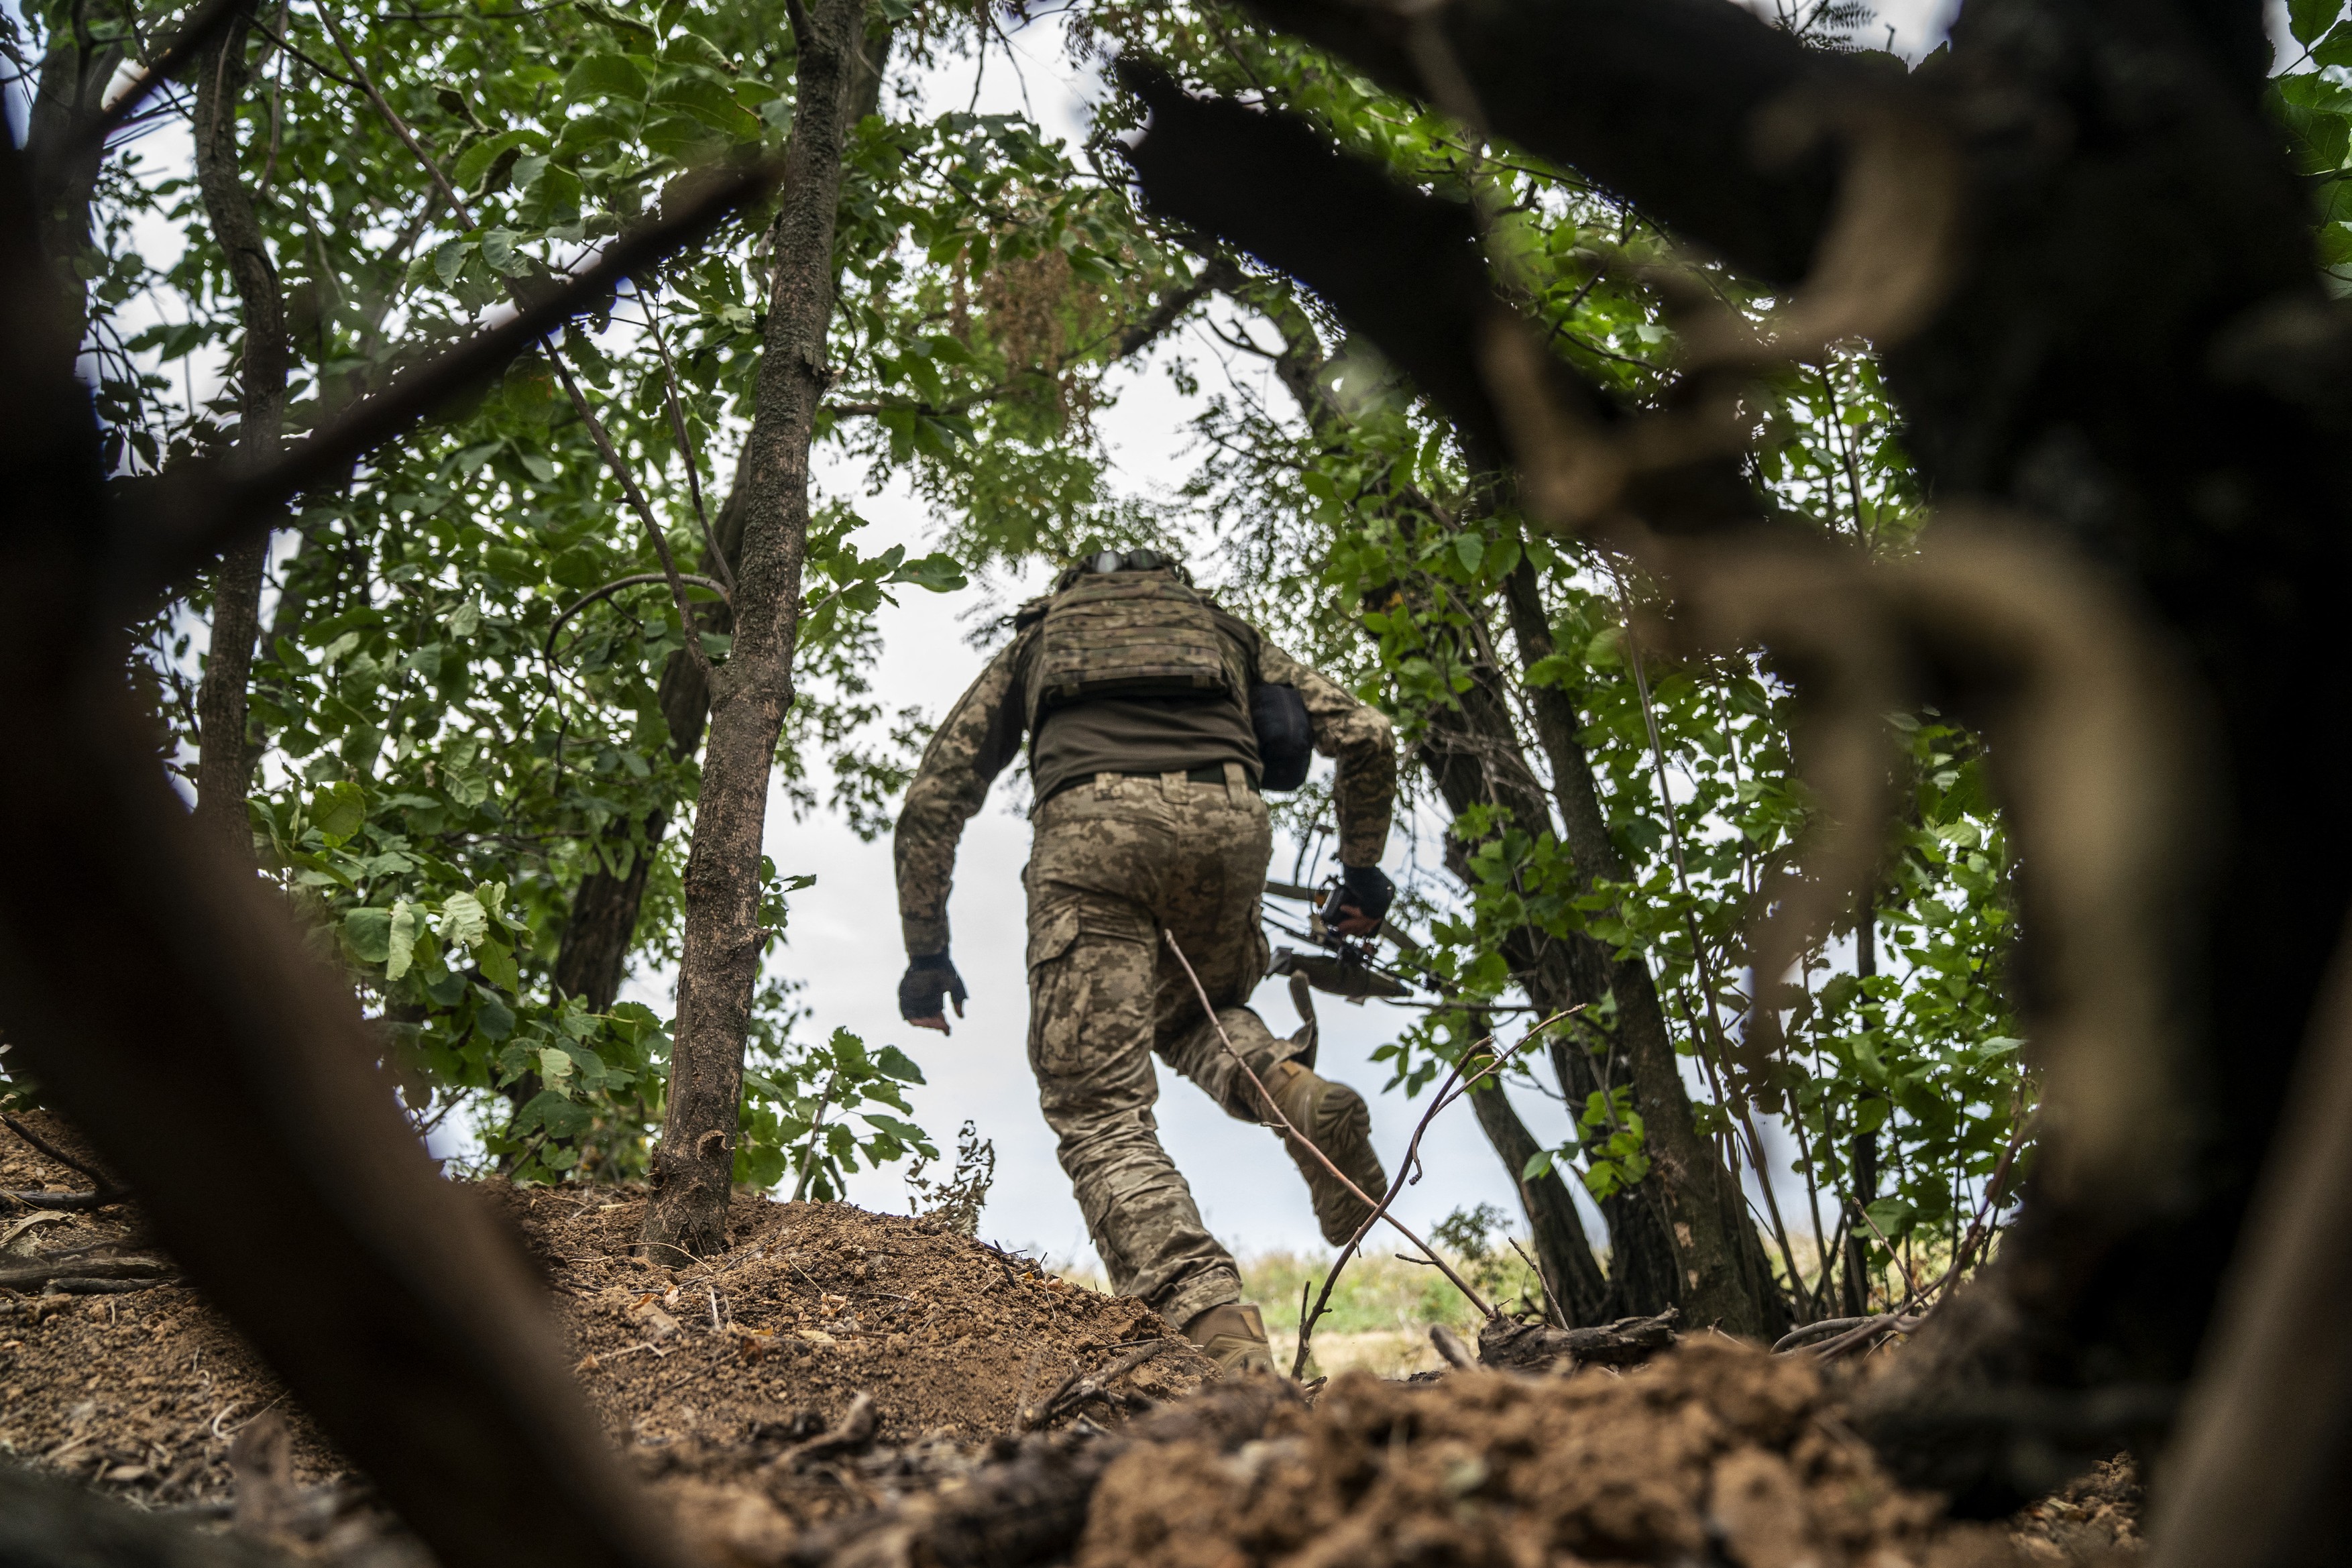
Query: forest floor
point(735, 1383)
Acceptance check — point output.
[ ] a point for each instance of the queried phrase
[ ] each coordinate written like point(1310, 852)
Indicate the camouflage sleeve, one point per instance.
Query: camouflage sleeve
point(981, 734)
point(1362, 739)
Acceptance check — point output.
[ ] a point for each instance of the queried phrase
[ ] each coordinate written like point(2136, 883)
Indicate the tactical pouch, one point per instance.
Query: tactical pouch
point(1285, 741)
point(1127, 634)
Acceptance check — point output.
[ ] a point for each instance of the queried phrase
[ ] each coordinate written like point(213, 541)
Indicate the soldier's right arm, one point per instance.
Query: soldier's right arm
point(981, 734)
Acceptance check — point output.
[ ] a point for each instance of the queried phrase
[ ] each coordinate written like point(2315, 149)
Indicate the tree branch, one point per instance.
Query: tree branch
point(1654, 100)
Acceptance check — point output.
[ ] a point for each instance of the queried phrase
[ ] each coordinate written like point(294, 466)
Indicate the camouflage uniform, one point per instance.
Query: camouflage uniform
point(1115, 861)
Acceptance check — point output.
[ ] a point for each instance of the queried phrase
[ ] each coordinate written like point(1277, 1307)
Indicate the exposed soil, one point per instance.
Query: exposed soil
point(1715, 1448)
point(706, 1373)
point(2092, 1514)
point(735, 1386)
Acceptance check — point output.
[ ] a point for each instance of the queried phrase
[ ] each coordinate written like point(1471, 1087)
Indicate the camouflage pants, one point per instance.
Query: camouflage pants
point(1115, 862)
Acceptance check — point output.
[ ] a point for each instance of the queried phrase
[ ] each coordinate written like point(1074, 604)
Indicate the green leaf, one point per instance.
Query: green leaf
point(937, 573)
point(450, 259)
point(400, 944)
point(497, 964)
point(605, 76)
point(680, 138)
point(2307, 19)
point(339, 811)
point(896, 1063)
point(368, 933)
point(707, 101)
point(1539, 1166)
point(463, 921)
point(498, 252)
point(2335, 49)
point(467, 173)
point(492, 1018)
point(562, 1118)
point(1470, 549)
point(894, 1126)
point(555, 1068)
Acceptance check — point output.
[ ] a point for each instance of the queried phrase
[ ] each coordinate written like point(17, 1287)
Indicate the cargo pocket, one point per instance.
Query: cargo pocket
point(1051, 937)
point(1090, 992)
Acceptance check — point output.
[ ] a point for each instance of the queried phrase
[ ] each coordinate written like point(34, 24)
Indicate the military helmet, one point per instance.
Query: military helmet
point(1099, 561)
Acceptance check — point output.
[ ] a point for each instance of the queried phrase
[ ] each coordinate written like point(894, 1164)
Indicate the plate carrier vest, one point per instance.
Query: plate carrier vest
point(1128, 634)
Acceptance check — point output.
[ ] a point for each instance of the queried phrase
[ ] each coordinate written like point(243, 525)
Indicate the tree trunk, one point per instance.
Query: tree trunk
point(694, 1164)
point(225, 768)
point(1641, 1028)
point(1680, 1236)
point(74, 74)
point(595, 956)
point(1865, 1148)
point(1573, 1277)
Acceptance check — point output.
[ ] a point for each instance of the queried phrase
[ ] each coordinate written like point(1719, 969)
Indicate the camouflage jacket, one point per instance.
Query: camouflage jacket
point(984, 731)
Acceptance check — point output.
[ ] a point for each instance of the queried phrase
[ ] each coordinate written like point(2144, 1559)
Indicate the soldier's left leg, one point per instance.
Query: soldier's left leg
point(1212, 910)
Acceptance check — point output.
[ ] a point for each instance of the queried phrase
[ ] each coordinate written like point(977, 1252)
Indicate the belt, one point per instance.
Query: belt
point(1214, 774)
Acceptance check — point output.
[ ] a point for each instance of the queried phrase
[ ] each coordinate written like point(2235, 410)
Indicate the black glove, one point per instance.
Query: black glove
point(926, 981)
point(1363, 890)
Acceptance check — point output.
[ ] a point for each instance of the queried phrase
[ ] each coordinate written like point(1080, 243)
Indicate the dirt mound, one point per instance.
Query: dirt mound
point(2099, 1512)
point(706, 1373)
point(1712, 1449)
point(841, 1369)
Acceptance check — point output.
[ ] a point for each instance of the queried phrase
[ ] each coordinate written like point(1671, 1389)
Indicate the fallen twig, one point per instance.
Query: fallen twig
point(1077, 1388)
point(1868, 1331)
point(85, 1269)
point(854, 1431)
point(1378, 1207)
point(70, 1201)
point(1536, 1347)
point(1813, 1333)
point(107, 1188)
point(1450, 1346)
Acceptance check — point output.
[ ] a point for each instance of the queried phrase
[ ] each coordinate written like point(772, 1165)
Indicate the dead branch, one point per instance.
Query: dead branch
point(1079, 1387)
point(147, 1271)
point(853, 1433)
point(108, 1192)
point(1537, 1347)
point(70, 1202)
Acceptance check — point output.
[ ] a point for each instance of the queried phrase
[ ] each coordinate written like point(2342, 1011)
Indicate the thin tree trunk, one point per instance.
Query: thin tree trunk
point(74, 73)
point(1866, 1144)
point(595, 955)
point(1680, 1236)
point(694, 1164)
point(1571, 1274)
point(225, 768)
point(1692, 1165)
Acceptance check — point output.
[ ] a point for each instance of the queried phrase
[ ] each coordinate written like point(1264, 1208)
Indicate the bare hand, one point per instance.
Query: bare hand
point(935, 1021)
point(1353, 921)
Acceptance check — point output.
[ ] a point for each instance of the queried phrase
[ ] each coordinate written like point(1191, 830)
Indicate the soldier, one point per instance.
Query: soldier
point(1153, 718)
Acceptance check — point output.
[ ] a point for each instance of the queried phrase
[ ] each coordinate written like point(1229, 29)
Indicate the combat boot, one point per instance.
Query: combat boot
point(1234, 1336)
point(1335, 1119)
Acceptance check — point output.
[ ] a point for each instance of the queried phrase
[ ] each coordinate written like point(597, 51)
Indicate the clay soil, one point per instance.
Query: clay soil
point(723, 1379)
point(705, 1373)
point(1713, 1453)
